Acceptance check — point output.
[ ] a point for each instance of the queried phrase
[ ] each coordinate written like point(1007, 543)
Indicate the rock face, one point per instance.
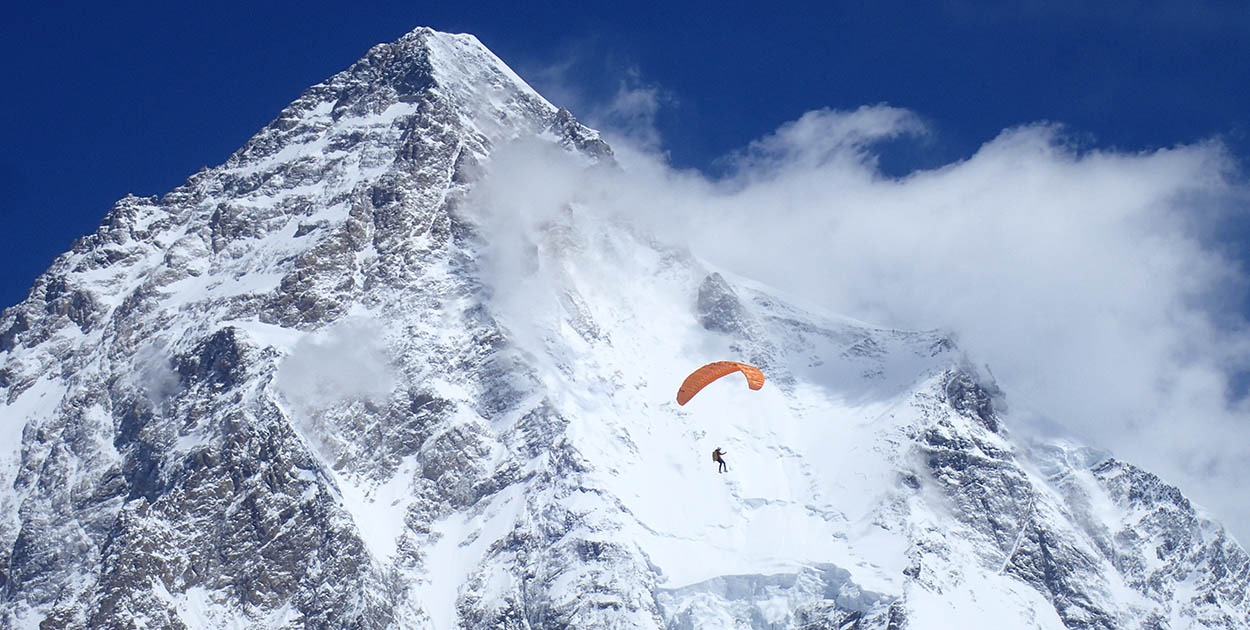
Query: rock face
point(295, 392)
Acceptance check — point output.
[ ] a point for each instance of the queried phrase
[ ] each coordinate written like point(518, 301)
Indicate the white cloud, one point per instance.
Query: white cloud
point(631, 114)
point(624, 111)
point(822, 136)
point(345, 363)
point(156, 376)
point(1087, 280)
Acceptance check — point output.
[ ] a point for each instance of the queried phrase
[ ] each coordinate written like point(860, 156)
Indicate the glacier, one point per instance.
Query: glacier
point(346, 380)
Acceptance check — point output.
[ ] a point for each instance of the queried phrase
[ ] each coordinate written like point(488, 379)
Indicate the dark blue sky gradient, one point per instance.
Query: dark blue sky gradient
point(104, 100)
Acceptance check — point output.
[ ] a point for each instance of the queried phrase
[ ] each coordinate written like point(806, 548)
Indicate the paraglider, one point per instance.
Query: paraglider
point(701, 377)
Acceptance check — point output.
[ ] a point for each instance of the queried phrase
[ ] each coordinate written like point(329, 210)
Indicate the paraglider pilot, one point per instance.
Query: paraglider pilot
point(716, 457)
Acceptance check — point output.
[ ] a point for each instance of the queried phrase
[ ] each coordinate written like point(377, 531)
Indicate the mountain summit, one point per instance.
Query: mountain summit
point(352, 379)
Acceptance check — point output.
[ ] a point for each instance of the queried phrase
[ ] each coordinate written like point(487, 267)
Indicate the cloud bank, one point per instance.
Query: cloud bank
point(1088, 281)
point(1093, 283)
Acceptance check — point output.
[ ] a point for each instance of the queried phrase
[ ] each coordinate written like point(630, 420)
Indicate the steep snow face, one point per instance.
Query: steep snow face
point(331, 383)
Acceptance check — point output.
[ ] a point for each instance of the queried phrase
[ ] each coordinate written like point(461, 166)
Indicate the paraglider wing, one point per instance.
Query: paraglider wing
point(699, 378)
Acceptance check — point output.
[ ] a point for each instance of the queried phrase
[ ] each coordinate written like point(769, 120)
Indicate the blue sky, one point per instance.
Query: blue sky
point(107, 99)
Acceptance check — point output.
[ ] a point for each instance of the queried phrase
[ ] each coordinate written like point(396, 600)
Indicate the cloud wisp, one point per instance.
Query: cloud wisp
point(345, 363)
point(1092, 282)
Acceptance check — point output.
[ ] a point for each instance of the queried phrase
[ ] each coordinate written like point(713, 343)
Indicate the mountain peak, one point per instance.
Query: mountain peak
point(450, 77)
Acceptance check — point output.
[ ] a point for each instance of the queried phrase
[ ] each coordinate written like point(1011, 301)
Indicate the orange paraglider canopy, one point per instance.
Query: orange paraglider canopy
point(699, 378)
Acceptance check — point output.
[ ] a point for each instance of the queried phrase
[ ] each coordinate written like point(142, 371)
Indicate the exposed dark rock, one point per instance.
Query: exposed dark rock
point(18, 323)
point(218, 361)
point(719, 308)
point(968, 396)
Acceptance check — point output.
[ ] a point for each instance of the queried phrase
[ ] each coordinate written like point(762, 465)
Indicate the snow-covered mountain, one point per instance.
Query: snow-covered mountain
point(336, 382)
